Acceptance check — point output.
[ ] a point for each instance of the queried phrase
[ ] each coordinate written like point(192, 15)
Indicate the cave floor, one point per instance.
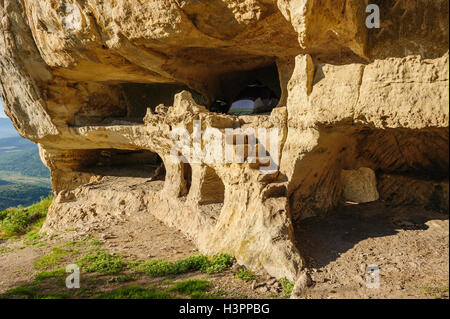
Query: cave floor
point(409, 245)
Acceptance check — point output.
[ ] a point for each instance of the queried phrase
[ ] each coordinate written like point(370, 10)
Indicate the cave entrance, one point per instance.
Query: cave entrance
point(125, 163)
point(212, 189)
point(141, 96)
point(123, 103)
point(212, 195)
point(187, 177)
point(240, 85)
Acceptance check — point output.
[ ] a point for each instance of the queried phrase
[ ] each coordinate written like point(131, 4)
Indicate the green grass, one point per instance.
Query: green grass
point(136, 292)
point(18, 221)
point(102, 262)
point(33, 238)
point(245, 274)
point(52, 259)
point(88, 241)
point(159, 268)
point(287, 286)
point(23, 292)
point(58, 273)
point(218, 263)
point(190, 286)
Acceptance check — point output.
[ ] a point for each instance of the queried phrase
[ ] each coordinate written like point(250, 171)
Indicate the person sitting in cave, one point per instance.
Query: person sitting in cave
point(255, 98)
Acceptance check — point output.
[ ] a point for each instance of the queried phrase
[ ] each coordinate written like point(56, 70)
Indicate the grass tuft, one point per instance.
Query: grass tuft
point(191, 286)
point(102, 262)
point(159, 268)
point(52, 259)
point(245, 274)
point(18, 221)
point(287, 286)
point(58, 273)
point(20, 292)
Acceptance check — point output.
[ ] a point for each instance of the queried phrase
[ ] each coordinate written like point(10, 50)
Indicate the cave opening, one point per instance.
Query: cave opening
point(187, 177)
point(125, 163)
point(212, 189)
point(140, 97)
point(262, 82)
point(123, 103)
point(212, 195)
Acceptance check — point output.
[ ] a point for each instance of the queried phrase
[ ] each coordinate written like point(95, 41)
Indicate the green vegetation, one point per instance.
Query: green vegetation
point(52, 259)
point(21, 156)
point(26, 292)
point(49, 282)
point(23, 177)
point(159, 268)
point(24, 194)
point(218, 263)
point(33, 237)
point(21, 291)
point(58, 273)
point(102, 262)
point(21, 220)
point(245, 274)
point(191, 286)
point(136, 292)
point(287, 286)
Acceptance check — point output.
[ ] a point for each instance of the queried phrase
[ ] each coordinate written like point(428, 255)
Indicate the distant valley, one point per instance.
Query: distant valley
point(23, 177)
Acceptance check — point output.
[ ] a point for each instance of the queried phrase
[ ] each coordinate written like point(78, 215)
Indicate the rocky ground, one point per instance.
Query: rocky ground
point(410, 246)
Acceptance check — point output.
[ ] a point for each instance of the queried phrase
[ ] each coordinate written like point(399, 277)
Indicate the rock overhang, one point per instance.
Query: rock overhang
point(85, 80)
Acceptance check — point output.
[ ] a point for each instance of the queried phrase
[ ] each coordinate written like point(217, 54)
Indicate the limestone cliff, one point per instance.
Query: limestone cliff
point(101, 85)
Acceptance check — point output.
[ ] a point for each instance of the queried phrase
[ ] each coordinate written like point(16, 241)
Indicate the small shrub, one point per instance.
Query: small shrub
point(245, 274)
point(192, 263)
point(218, 263)
point(20, 220)
point(159, 268)
point(287, 286)
point(16, 221)
point(103, 263)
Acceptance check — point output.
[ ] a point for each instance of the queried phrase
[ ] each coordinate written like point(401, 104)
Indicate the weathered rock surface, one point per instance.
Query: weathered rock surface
point(359, 186)
point(102, 85)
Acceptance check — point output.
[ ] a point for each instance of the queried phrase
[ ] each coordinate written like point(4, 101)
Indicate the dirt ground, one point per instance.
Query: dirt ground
point(409, 245)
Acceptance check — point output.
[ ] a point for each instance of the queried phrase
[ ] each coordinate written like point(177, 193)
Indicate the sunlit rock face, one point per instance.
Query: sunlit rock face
point(103, 85)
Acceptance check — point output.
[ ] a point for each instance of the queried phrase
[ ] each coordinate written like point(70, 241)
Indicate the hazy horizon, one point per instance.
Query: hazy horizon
point(2, 113)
